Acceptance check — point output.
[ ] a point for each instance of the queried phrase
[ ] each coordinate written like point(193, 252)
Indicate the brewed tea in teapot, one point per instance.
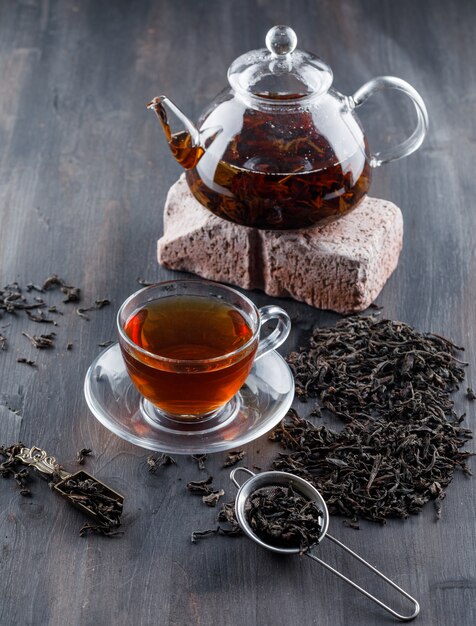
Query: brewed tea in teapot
point(280, 148)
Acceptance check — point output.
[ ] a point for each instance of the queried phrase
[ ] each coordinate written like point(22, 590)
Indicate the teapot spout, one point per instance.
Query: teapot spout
point(185, 145)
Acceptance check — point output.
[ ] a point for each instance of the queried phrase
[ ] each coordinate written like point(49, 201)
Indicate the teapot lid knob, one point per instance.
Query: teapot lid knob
point(280, 71)
point(281, 40)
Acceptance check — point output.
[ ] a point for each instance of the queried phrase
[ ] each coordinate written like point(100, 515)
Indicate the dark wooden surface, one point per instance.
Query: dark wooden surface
point(83, 175)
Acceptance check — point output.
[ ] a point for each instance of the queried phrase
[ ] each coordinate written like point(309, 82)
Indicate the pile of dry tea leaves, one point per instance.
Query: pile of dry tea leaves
point(374, 469)
point(402, 440)
point(365, 367)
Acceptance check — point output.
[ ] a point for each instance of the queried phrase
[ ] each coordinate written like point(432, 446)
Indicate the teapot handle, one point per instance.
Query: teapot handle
point(415, 140)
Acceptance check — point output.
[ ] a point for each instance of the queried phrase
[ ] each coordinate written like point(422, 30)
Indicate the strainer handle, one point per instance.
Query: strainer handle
point(403, 618)
point(235, 471)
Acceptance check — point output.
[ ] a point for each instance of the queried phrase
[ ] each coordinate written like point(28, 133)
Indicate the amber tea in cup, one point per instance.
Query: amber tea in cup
point(189, 345)
point(190, 328)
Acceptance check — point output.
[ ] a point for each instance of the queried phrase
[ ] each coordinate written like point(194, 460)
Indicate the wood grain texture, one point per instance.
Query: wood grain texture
point(84, 173)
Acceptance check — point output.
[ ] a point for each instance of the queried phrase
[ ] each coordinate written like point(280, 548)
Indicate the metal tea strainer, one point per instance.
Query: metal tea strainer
point(268, 480)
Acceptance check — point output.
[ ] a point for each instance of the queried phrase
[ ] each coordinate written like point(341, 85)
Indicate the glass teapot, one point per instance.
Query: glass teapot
point(280, 148)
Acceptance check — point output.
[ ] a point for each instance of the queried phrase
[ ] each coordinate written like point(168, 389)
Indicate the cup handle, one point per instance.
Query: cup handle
point(279, 334)
point(415, 140)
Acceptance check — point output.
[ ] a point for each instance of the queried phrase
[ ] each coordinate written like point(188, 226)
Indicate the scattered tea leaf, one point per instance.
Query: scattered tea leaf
point(82, 454)
point(227, 515)
point(41, 342)
point(201, 487)
point(200, 534)
point(73, 294)
point(229, 526)
point(106, 344)
point(200, 460)
point(54, 309)
point(350, 524)
point(11, 467)
point(470, 394)
point(154, 463)
point(22, 477)
point(99, 304)
point(234, 457)
point(99, 529)
point(32, 287)
point(40, 317)
point(52, 281)
point(144, 283)
point(212, 498)
point(22, 359)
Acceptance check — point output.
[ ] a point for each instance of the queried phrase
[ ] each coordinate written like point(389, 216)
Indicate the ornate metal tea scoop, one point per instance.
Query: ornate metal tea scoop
point(273, 480)
point(82, 490)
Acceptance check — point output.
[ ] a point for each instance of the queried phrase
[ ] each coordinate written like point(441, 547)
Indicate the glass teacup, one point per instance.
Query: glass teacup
point(189, 346)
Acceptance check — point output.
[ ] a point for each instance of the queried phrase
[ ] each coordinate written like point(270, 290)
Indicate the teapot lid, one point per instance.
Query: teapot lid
point(279, 71)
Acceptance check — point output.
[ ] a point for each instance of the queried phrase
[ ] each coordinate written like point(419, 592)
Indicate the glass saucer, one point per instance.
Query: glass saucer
point(259, 405)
